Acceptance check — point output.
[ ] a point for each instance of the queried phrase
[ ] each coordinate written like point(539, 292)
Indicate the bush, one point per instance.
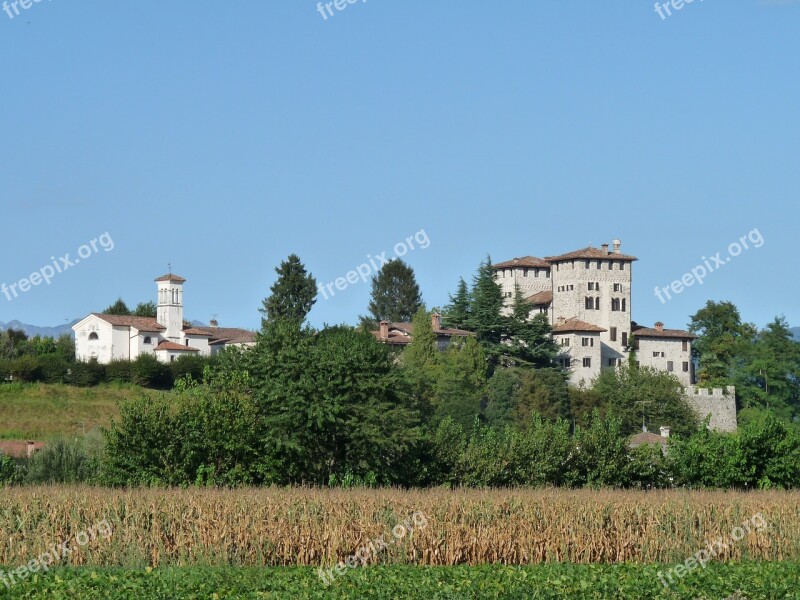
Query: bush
point(119, 371)
point(86, 374)
point(147, 371)
point(9, 471)
point(65, 461)
point(189, 365)
point(53, 368)
point(25, 368)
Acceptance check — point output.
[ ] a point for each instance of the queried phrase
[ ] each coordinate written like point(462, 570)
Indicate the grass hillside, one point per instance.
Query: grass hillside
point(40, 411)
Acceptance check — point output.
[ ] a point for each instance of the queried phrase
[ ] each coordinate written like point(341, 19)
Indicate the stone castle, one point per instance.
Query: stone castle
point(586, 295)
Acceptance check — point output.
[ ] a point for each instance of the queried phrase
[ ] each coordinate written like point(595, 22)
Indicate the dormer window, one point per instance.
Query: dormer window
point(147, 340)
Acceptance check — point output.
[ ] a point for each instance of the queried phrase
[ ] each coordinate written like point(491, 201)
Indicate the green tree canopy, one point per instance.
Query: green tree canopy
point(395, 294)
point(293, 294)
point(118, 308)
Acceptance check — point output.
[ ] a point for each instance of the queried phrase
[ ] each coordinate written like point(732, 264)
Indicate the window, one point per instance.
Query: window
point(589, 303)
point(591, 285)
point(624, 304)
point(586, 264)
point(685, 367)
point(656, 354)
point(622, 266)
point(615, 304)
point(685, 346)
point(597, 303)
point(670, 366)
point(624, 338)
point(613, 362)
point(547, 273)
point(147, 340)
point(587, 362)
point(172, 359)
point(599, 264)
point(525, 272)
point(565, 362)
point(613, 334)
point(187, 343)
point(585, 342)
point(617, 287)
point(638, 364)
point(565, 341)
point(93, 336)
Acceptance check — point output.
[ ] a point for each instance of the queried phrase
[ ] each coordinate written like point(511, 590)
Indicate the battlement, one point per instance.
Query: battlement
point(693, 390)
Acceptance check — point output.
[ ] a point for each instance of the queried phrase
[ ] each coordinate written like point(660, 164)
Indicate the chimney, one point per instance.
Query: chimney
point(31, 447)
point(659, 326)
point(561, 320)
point(617, 244)
point(605, 248)
point(436, 321)
point(384, 332)
point(665, 431)
point(214, 323)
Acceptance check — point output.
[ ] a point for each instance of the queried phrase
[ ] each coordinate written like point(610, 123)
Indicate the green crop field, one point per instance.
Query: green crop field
point(755, 581)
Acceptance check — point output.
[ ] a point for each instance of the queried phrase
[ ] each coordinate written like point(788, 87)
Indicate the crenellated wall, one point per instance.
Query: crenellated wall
point(719, 403)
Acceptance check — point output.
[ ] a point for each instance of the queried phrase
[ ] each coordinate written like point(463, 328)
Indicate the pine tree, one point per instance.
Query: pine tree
point(530, 339)
point(486, 318)
point(457, 313)
point(461, 383)
point(422, 360)
point(293, 294)
point(395, 293)
point(146, 309)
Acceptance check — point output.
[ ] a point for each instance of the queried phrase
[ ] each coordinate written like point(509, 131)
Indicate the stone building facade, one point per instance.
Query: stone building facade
point(586, 295)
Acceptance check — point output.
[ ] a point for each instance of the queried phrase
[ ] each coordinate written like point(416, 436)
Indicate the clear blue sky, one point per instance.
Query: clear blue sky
point(222, 137)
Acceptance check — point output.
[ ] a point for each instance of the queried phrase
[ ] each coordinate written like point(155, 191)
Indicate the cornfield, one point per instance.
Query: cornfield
point(303, 526)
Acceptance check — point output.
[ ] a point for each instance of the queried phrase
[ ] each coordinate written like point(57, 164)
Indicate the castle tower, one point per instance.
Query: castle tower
point(594, 286)
point(170, 306)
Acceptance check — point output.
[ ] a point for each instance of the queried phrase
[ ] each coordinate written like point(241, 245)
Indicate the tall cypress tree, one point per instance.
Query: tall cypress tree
point(458, 311)
point(395, 293)
point(293, 294)
point(486, 318)
point(530, 339)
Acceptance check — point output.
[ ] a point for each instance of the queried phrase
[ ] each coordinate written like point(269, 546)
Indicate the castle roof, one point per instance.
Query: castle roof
point(545, 297)
point(660, 332)
point(577, 325)
point(140, 323)
point(524, 261)
point(591, 253)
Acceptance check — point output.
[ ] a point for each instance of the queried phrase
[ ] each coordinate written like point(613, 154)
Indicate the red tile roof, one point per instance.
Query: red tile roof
point(402, 333)
point(18, 448)
point(196, 331)
point(524, 261)
point(646, 437)
point(171, 277)
point(591, 253)
point(576, 325)
point(641, 332)
point(227, 335)
point(163, 346)
point(545, 297)
point(140, 323)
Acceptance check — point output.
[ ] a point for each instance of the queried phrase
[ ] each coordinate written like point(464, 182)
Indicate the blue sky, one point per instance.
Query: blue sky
point(221, 137)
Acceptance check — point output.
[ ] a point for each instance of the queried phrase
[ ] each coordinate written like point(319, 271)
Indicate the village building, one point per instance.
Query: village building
point(105, 338)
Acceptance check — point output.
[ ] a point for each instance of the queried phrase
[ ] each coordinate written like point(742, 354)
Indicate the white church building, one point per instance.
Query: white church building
point(105, 338)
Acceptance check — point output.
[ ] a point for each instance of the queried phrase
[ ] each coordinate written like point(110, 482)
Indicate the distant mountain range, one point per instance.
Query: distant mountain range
point(58, 330)
point(34, 330)
point(796, 332)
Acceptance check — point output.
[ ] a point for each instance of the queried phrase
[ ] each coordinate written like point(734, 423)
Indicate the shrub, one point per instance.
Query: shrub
point(9, 470)
point(86, 374)
point(147, 371)
point(65, 461)
point(25, 368)
point(53, 368)
point(119, 371)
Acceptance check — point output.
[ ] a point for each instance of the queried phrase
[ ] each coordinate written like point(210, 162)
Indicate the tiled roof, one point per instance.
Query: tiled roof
point(171, 277)
point(524, 261)
point(402, 333)
point(196, 331)
point(175, 347)
point(227, 335)
point(663, 333)
point(140, 323)
point(18, 448)
point(576, 325)
point(395, 338)
point(545, 297)
point(646, 437)
point(591, 253)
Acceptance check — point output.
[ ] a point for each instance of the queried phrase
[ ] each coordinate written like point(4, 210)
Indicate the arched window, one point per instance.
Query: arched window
point(93, 336)
point(147, 340)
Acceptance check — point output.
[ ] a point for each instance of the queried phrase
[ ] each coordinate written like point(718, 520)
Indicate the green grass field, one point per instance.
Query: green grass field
point(754, 581)
point(41, 411)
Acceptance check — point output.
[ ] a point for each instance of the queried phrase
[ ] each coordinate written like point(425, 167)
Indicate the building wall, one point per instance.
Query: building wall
point(199, 342)
point(531, 280)
point(86, 349)
point(719, 403)
point(571, 281)
point(576, 352)
point(669, 350)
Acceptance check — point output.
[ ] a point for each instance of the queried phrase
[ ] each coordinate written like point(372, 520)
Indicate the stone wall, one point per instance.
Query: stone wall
point(719, 403)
